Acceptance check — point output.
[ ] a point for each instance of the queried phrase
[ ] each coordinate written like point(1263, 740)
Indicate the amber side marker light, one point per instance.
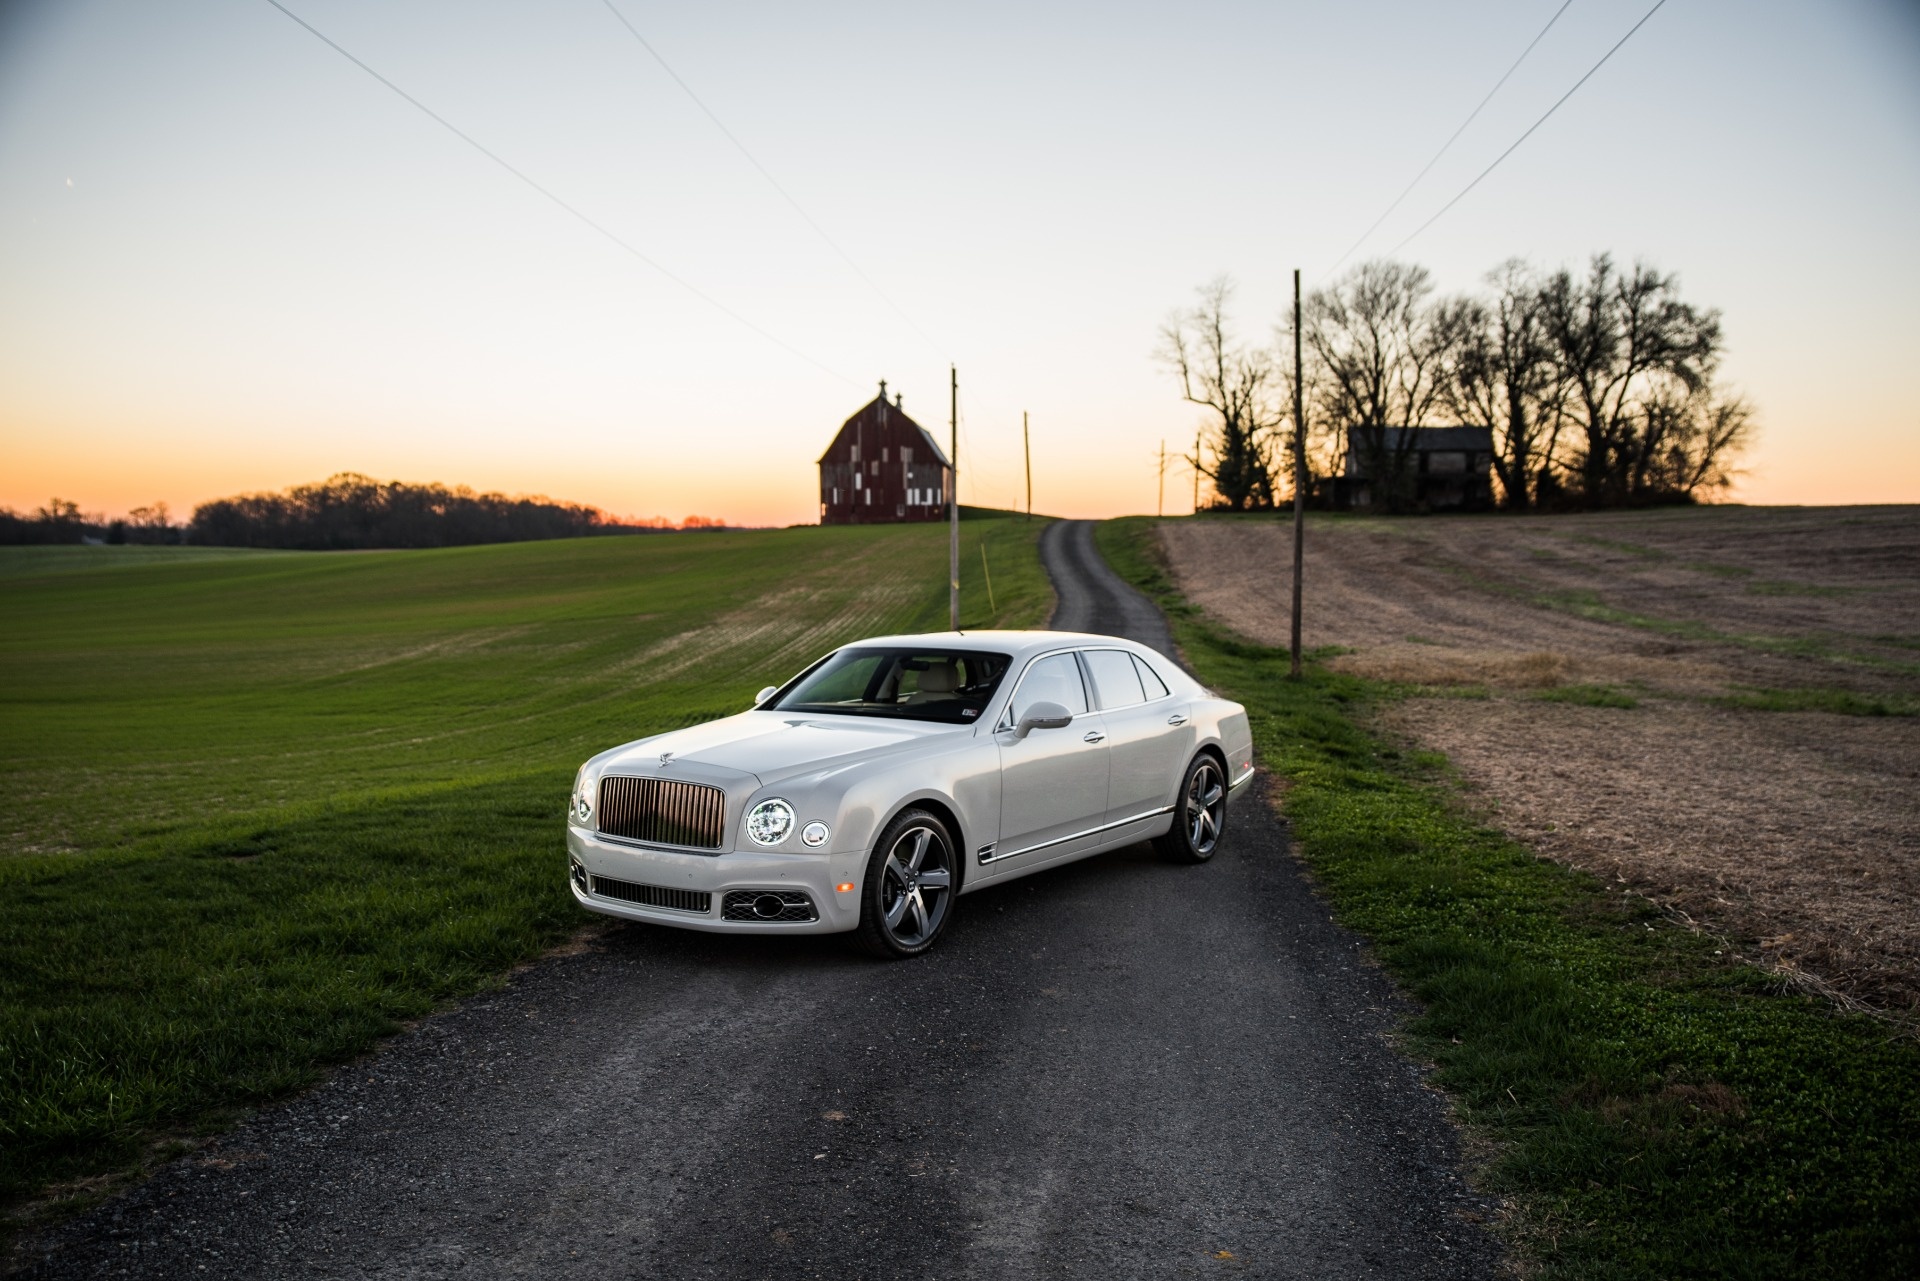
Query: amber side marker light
point(845, 887)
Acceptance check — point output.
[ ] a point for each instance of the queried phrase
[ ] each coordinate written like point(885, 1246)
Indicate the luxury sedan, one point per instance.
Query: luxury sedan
point(892, 776)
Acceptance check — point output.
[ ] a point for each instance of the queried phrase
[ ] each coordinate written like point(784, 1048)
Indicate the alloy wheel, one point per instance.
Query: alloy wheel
point(917, 885)
point(1205, 806)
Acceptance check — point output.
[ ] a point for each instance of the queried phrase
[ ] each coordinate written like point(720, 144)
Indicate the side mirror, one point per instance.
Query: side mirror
point(765, 694)
point(1043, 716)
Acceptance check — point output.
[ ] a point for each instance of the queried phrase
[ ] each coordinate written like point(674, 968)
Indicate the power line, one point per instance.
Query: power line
point(1529, 133)
point(741, 147)
point(1450, 140)
point(489, 154)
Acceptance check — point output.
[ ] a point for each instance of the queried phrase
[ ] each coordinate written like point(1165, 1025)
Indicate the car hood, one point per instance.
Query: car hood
point(772, 746)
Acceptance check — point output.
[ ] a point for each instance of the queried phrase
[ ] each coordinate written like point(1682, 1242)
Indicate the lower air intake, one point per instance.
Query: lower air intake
point(767, 905)
point(654, 895)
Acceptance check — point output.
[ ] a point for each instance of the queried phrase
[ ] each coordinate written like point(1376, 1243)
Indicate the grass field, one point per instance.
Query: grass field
point(261, 808)
point(1650, 1108)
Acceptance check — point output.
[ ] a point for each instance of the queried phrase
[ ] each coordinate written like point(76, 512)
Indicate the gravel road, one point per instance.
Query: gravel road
point(1122, 1068)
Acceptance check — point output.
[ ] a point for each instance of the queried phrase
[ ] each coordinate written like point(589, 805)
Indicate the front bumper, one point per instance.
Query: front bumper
point(682, 874)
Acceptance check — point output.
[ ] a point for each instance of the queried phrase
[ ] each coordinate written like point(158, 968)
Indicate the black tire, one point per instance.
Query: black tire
point(908, 896)
point(1199, 813)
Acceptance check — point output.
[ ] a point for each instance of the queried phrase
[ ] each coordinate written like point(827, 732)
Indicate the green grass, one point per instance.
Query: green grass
point(1651, 1110)
point(1588, 696)
point(1840, 702)
point(260, 810)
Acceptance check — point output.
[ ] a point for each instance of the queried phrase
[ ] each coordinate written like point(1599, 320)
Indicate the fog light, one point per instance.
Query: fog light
point(814, 834)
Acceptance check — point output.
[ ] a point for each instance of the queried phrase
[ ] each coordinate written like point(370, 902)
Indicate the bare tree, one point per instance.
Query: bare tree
point(1236, 383)
point(1502, 375)
point(1632, 355)
point(1381, 353)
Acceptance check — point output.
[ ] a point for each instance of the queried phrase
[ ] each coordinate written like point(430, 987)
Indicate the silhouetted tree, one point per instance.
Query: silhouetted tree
point(1636, 362)
point(1237, 384)
point(1381, 350)
point(353, 511)
point(1502, 375)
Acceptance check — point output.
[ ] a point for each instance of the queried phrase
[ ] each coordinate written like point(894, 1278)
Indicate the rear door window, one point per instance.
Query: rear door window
point(1150, 680)
point(1115, 681)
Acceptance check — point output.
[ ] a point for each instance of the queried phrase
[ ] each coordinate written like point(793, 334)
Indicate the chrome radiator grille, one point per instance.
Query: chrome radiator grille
point(663, 811)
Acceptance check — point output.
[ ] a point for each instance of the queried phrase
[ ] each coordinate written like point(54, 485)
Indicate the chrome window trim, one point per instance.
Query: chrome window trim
point(1091, 831)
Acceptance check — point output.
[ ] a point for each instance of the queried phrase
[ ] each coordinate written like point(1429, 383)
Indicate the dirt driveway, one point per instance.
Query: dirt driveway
point(1713, 706)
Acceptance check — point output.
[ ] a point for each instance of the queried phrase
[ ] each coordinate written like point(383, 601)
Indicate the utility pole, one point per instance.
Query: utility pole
point(1026, 447)
point(1160, 503)
point(953, 508)
point(1196, 473)
point(1299, 473)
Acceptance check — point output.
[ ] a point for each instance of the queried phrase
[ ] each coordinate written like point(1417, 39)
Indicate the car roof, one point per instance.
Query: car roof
point(1019, 644)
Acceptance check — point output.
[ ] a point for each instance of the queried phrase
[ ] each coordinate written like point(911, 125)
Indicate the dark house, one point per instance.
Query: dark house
point(883, 468)
point(1447, 469)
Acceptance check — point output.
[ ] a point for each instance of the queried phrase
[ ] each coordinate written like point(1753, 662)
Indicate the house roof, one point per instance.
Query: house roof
point(1475, 439)
point(891, 410)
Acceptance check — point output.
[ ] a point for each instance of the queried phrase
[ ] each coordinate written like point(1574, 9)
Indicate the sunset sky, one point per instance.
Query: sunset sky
point(230, 260)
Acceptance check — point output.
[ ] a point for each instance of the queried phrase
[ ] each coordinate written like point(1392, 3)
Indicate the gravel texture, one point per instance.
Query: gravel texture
point(1122, 1068)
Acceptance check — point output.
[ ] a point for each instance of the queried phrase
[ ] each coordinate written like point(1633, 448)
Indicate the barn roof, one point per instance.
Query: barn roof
point(891, 410)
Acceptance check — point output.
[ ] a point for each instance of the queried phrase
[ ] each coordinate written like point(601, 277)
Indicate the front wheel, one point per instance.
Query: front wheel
point(908, 895)
point(1199, 815)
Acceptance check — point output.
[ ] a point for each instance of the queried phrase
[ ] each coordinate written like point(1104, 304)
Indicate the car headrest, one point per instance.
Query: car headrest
point(939, 678)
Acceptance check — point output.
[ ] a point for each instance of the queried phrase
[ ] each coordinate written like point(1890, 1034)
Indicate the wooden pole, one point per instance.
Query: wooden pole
point(1026, 447)
point(1299, 474)
point(953, 508)
point(1160, 503)
point(1196, 473)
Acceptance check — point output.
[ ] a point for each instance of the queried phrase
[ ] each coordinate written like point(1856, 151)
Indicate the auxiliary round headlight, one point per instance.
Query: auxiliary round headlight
point(770, 822)
point(814, 834)
point(581, 804)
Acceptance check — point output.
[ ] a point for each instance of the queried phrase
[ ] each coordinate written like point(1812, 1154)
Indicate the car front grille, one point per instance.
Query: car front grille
point(663, 811)
point(654, 895)
point(745, 905)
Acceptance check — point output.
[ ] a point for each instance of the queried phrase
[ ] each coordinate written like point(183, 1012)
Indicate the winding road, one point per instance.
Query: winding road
point(1122, 1068)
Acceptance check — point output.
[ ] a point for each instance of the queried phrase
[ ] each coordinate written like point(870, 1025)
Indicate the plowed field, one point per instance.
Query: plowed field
point(1711, 706)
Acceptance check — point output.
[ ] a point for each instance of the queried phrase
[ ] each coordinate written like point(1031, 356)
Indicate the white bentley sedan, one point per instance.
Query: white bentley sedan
point(894, 775)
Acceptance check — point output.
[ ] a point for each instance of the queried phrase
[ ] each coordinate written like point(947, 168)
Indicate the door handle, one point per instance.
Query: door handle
point(1095, 736)
point(1176, 719)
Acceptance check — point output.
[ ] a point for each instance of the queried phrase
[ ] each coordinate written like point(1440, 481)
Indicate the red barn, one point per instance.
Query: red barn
point(883, 468)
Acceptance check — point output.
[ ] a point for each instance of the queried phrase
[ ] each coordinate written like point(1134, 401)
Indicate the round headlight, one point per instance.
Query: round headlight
point(770, 821)
point(814, 834)
point(581, 805)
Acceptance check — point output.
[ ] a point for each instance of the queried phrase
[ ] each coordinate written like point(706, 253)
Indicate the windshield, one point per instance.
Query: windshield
point(948, 685)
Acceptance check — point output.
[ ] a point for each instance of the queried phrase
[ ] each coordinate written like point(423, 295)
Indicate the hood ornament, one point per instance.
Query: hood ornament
point(666, 758)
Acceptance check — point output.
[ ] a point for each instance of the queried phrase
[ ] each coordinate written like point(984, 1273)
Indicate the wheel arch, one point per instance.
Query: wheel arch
point(947, 813)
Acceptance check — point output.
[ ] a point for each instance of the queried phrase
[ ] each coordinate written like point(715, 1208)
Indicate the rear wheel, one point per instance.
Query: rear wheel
point(908, 896)
point(1199, 815)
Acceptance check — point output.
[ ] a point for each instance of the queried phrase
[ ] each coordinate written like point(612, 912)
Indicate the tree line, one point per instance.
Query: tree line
point(1598, 387)
point(344, 512)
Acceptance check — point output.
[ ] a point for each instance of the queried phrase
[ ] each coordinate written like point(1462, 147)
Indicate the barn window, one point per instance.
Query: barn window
point(883, 454)
point(856, 453)
point(874, 467)
point(906, 453)
point(899, 509)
